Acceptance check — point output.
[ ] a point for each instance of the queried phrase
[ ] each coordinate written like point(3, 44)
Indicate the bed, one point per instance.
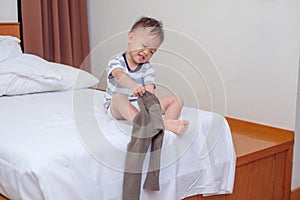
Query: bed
point(58, 143)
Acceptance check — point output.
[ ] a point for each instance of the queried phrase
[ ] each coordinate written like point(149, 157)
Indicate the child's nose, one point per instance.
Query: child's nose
point(146, 51)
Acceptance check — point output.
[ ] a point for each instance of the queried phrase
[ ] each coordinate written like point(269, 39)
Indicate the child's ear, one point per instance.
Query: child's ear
point(130, 37)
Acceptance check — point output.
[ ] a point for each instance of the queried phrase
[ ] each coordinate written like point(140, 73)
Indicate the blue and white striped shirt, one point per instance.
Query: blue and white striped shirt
point(143, 74)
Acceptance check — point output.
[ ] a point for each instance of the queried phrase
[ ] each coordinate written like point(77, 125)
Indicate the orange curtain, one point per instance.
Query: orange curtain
point(56, 30)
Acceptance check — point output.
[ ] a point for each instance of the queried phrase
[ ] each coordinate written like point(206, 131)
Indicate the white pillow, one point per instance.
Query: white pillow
point(19, 85)
point(9, 47)
point(5, 80)
point(74, 78)
point(7, 39)
point(32, 67)
point(24, 82)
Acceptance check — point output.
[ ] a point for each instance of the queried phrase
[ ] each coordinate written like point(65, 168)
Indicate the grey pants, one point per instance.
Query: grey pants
point(147, 129)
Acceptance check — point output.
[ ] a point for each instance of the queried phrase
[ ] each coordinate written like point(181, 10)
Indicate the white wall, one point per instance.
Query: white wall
point(254, 45)
point(251, 49)
point(8, 11)
point(296, 159)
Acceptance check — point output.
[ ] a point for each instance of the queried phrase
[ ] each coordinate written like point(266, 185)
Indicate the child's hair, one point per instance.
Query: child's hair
point(148, 22)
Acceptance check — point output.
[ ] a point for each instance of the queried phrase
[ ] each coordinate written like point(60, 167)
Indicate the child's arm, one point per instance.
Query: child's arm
point(150, 87)
point(135, 88)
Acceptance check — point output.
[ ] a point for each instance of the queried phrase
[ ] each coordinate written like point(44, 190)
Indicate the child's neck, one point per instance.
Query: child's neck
point(131, 64)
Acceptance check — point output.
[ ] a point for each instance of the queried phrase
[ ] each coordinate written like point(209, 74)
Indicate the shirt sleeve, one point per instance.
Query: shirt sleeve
point(149, 74)
point(113, 64)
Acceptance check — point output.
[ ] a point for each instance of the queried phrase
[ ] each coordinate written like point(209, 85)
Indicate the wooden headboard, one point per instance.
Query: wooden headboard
point(12, 29)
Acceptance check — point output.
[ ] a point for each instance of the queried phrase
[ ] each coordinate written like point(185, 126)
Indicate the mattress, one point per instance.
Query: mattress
point(62, 145)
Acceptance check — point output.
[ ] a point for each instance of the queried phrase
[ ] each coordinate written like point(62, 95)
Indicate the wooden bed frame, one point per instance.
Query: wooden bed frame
point(263, 165)
point(264, 156)
point(8, 28)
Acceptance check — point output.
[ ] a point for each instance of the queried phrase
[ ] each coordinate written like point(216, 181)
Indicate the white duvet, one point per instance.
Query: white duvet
point(62, 145)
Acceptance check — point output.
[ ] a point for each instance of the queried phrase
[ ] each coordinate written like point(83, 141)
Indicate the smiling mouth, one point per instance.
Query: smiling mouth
point(141, 57)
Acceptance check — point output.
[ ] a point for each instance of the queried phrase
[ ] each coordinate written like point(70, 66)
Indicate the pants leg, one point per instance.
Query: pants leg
point(151, 103)
point(137, 149)
point(136, 152)
point(147, 128)
point(152, 178)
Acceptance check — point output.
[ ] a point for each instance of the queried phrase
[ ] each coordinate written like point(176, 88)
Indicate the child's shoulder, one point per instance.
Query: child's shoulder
point(118, 57)
point(117, 60)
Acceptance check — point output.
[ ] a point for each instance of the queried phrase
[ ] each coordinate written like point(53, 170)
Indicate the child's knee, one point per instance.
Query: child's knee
point(119, 99)
point(119, 96)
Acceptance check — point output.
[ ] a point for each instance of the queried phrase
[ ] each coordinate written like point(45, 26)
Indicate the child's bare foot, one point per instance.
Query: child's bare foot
point(176, 126)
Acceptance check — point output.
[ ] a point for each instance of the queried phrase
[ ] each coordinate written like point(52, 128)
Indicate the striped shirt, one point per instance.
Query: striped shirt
point(143, 74)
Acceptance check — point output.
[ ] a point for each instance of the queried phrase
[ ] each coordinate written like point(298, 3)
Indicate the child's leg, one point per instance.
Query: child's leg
point(172, 106)
point(121, 108)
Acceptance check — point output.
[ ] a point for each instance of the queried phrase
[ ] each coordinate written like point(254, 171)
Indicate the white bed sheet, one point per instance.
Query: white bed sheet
point(62, 145)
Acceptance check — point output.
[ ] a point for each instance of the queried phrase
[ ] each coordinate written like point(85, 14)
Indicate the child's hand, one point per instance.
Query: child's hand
point(138, 90)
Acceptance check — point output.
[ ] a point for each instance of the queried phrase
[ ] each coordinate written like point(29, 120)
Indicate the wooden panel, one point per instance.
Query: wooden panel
point(2, 197)
point(263, 179)
point(288, 173)
point(12, 29)
point(242, 183)
point(295, 195)
point(279, 175)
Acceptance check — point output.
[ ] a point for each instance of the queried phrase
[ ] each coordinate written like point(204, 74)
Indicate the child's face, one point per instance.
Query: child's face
point(142, 45)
